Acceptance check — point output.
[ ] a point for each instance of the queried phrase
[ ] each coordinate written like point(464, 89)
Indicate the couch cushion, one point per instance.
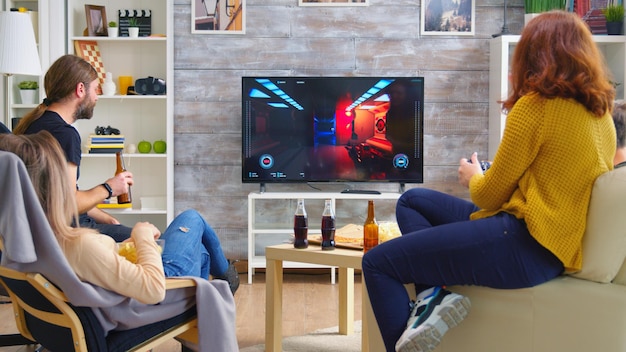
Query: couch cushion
point(604, 242)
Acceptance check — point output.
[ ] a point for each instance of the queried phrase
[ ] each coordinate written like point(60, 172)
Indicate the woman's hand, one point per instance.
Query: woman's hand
point(468, 168)
point(146, 229)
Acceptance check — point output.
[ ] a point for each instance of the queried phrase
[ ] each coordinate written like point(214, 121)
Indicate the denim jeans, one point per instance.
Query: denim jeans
point(192, 248)
point(118, 232)
point(440, 246)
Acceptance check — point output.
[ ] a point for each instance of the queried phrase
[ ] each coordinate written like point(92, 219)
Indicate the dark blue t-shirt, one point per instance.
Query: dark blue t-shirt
point(66, 134)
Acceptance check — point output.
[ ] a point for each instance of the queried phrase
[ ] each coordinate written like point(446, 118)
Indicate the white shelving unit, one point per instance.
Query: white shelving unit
point(613, 48)
point(38, 11)
point(262, 234)
point(138, 117)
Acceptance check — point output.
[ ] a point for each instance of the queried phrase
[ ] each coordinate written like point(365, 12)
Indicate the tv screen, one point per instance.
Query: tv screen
point(332, 129)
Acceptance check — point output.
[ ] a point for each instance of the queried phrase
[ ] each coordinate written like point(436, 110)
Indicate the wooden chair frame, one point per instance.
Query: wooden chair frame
point(67, 318)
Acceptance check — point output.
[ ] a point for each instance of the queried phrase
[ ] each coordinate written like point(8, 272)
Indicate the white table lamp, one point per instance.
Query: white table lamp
point(18, 48)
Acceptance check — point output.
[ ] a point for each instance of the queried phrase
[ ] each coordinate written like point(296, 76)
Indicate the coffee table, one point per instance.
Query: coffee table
point(346, 260)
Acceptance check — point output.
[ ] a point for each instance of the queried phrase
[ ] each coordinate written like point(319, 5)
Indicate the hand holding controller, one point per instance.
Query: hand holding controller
point(484, 164)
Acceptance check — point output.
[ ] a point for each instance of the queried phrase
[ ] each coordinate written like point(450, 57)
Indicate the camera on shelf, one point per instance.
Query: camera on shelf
point(106, 131)
point(150, 86)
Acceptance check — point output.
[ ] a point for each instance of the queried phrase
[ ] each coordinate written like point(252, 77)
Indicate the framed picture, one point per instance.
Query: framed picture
point(96, 21)
point(218, 17)
point(440, 17)
point(333, 2)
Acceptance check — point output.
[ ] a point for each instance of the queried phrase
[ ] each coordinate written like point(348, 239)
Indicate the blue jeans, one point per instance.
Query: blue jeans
point(440, 246)
point(192, 248)
point(118, 232)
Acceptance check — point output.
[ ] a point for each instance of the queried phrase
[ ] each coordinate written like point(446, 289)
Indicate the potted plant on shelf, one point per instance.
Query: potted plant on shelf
point(533, 8)
point(614, 14)
point(133, 27)
point(113, 30)
point(28, 91)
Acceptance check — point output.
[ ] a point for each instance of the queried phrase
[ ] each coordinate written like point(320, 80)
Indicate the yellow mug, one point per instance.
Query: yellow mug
point(125, 82)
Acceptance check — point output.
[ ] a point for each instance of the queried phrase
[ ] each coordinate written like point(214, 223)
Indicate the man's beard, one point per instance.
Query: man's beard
point(84, 111)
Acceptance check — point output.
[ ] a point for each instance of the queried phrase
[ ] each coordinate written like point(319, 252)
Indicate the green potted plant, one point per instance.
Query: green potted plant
point(133, 27)
point(28, 91)
point(113, 30)
point(614, 14)
point(533, 8)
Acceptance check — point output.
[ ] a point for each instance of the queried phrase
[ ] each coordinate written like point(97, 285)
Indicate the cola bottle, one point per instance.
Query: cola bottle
point(300, 226)
point(328, 227)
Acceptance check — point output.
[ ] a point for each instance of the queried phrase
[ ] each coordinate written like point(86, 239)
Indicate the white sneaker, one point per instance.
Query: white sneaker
point(430, 319)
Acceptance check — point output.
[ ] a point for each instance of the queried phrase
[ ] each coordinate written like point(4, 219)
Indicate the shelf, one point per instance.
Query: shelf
point(131, 97)
point(126, 155)
point(138, 117)
point(122, 39)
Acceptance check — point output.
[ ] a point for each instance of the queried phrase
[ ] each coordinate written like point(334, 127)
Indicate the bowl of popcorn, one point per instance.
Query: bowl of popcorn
point(388, 230)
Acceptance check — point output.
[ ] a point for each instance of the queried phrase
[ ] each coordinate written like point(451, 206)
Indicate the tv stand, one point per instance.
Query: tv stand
point(262, 233)
point(360, 191)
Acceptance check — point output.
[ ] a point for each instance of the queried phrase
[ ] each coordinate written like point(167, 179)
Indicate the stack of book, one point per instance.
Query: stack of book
point(103, 144)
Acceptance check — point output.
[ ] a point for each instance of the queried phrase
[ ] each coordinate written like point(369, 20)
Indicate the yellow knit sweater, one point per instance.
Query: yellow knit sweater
point(551, 152)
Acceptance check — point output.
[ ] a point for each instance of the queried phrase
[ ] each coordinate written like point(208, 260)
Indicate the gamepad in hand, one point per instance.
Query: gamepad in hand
point(485, 165)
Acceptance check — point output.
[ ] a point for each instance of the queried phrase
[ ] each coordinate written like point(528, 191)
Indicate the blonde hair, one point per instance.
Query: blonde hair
point(47, 168)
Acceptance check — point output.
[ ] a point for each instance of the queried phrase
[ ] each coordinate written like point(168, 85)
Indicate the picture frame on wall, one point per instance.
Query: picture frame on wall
point(333, 2)
point(96, 21)
point(457, 18)
point(218, 17)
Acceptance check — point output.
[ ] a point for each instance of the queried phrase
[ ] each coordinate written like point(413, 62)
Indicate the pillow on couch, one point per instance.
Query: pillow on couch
point(604, 242)
point(620, 278)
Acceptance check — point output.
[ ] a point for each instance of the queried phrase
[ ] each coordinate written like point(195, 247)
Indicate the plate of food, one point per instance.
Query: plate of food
point(351, 235)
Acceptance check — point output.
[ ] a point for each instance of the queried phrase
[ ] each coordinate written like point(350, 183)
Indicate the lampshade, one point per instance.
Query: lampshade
point(18, 48)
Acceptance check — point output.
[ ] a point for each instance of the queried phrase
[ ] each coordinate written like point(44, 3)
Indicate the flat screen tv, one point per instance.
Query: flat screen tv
point(332, 129)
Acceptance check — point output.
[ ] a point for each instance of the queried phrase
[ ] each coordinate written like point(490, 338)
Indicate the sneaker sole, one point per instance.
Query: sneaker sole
point(427, 336)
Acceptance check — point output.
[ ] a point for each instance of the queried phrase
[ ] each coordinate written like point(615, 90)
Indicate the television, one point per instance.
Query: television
point(332, 129)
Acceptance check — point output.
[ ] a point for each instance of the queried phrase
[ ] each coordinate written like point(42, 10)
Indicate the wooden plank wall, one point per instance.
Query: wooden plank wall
point(284, 39)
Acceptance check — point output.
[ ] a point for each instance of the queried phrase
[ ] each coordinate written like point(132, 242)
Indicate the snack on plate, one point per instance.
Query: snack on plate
point(350, 234)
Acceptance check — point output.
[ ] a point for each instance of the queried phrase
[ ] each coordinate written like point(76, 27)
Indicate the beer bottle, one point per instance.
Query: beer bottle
point(300, 226)
point(126, 197)
point(370, 229)
point(328, 227)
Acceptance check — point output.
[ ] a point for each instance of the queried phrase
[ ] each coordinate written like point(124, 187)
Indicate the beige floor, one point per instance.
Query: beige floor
point(309, 303)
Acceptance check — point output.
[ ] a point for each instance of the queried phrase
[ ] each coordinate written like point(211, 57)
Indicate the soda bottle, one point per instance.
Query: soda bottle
point(300, 226)
point(328, 227)
point(126, 197)
point(370, 229)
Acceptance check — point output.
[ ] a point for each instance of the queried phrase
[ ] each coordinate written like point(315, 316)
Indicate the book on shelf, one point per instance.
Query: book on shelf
point(104, 150)
point(114, 206)
point(111, 145)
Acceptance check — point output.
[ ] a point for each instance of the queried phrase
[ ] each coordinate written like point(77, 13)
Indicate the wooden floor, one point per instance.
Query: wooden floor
point(309, 304)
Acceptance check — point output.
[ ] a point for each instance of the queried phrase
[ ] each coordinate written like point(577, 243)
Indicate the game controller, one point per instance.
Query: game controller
point(485, 165)
point(106, 131)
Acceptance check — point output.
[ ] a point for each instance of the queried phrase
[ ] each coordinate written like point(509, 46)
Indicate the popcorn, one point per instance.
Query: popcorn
point(388, 230)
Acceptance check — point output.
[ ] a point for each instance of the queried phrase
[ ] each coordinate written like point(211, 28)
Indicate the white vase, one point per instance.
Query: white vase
point(113, 31)
point(133, 32)
point(28, 96)
point(108, 87)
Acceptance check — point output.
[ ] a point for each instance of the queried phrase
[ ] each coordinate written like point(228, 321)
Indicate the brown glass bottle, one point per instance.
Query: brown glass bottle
point(370, 229)
point(126, 197)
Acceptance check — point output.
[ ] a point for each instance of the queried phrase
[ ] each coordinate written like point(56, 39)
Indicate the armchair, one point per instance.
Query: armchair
point(53, 306)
